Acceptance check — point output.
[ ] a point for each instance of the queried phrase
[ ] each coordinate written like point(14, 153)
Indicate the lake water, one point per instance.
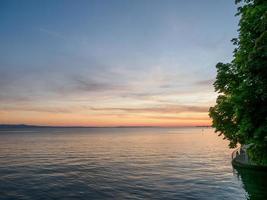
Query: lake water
point(121, 163)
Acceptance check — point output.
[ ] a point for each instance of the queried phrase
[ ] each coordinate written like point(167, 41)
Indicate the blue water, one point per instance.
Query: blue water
point(119, 163)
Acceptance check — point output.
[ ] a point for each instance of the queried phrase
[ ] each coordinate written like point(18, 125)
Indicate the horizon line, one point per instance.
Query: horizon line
point(58, 126)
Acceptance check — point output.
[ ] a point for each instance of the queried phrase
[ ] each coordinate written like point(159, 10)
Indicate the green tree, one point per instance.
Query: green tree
point(240, 113)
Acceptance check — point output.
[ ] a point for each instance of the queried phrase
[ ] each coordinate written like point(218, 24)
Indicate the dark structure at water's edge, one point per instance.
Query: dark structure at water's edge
point(241, 160)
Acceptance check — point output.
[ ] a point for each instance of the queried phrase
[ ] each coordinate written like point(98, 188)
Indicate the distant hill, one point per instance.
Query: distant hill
point(19, 126)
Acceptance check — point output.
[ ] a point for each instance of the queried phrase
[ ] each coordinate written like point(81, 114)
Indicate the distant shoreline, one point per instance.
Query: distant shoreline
point(40, 126)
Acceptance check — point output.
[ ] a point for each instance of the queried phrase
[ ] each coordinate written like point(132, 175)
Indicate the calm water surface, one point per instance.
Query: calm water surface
point(121, 163)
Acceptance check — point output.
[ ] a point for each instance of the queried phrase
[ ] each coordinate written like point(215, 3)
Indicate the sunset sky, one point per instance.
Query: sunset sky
point(112, 63)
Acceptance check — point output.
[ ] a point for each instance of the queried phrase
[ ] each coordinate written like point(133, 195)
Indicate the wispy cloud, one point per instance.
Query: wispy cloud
point(52, 33)
point(208, 82)
point(38, 109)
point(160, 109)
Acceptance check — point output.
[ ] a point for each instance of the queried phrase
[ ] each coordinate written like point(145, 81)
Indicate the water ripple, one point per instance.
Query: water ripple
point(118, 164)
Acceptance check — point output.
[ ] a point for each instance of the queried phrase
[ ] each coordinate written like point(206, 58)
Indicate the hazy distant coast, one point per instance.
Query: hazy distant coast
point(7, 126)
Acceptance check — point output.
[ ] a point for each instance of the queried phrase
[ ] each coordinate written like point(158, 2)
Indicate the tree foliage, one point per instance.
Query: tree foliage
point(240, 113)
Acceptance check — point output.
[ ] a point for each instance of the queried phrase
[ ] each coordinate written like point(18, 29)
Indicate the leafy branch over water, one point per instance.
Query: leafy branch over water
point(240, 113)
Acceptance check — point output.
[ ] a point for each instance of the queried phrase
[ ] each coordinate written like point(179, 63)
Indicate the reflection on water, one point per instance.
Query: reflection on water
point(254, 182)
point(118, 163)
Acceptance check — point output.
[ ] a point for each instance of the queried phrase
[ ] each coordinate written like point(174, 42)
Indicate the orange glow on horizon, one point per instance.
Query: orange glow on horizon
point(76, 119)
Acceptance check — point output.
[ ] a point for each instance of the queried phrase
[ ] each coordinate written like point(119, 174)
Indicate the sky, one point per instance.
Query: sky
point(112, 62)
